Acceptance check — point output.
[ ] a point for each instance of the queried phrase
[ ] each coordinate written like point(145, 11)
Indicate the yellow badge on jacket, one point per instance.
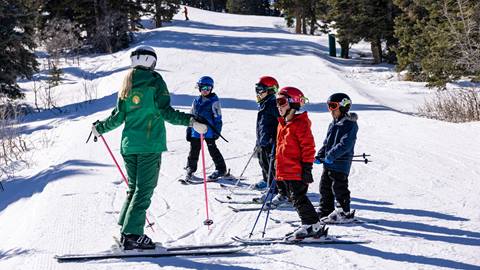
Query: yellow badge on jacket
point(136, 100)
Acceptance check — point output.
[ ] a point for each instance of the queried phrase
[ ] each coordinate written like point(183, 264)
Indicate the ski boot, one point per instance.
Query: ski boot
point(133, 241)
point(188, 175)
point(217, 174)
point(339, 216)
point(322, 214)
point(316, 231)
point(278, 200)
point(260, 185)
point(261, 199)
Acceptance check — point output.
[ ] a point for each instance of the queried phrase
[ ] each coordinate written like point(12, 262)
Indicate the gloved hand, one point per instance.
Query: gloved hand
point(198, 127)
point(94, 129)
point(307, 176)
point(327, 161)
point(318, 159)
point(188, 134)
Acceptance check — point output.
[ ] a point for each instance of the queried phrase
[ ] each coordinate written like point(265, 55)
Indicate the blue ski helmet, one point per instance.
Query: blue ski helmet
point(205, 80)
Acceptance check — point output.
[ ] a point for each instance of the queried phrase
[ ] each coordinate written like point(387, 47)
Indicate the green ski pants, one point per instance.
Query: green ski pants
point(142, 171)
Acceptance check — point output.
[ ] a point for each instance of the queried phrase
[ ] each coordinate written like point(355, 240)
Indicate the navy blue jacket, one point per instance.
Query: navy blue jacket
point(340, 143)
point(209, 108)
point(267, 121)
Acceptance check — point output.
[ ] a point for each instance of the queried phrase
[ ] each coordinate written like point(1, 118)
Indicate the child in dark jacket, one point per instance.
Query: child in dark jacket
point(294, 156)
point(267, 122)
point(336, 154)
point(206, 105)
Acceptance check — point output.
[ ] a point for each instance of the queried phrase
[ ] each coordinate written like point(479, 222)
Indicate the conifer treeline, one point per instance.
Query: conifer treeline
point(437, 41)
point(67, 26)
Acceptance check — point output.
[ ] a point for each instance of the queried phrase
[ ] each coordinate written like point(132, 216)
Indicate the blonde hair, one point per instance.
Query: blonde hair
point(127, 85)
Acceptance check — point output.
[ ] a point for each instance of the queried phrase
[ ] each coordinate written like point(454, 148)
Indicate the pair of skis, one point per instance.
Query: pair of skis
point(257, 206)
point(207, 250)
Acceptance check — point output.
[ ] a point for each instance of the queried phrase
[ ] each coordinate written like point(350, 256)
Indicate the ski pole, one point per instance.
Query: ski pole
point(150, 224)
point(366, 160)
point(245, 168)
point(362, 156)
point(207, 221)
point(202, 120)
point(272, 184)
point(1, 186)
point(270, 190)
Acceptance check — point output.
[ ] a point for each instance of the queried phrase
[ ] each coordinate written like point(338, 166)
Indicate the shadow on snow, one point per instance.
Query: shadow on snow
point(20, 188)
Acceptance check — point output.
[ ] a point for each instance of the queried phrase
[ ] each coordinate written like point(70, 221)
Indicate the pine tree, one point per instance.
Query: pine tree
point(427, 49)
point(16, 46)
point(162, 10)
point(251, 7)
point(344, 14)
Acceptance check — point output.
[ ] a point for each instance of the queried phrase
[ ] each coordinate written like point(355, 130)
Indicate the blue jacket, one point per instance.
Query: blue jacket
point(267, 121)
point(340, 143)
point(209, 108)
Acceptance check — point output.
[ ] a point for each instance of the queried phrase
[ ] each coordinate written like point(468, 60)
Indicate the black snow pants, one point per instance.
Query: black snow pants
point(333, 186)
point(297, 191)
point(195, 148)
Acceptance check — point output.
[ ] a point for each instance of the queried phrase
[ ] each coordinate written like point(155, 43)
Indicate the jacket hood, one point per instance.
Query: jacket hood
point(351, 117)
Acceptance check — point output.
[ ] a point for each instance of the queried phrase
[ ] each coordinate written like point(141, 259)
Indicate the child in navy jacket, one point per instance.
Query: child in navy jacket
point(336, 154)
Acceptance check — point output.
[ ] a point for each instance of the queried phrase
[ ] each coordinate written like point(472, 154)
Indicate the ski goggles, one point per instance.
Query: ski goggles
point(281, 101)
point(332, 105)
point(261, 88)
point(204, 87)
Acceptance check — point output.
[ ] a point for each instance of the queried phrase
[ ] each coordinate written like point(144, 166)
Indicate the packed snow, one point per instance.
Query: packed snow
point(421, 191)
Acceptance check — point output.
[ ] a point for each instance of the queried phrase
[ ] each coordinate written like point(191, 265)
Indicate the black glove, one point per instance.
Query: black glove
point(307, 177)
point(189, 134)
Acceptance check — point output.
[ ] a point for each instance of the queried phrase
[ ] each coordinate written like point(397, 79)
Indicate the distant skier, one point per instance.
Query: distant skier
point(143, 105)
point(206, 105)
point(336, 154)
point(185, 11)
point(295, 155)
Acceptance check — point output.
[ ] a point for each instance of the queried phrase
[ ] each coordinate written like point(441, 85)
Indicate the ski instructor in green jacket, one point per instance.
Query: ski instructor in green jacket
point(144, 106)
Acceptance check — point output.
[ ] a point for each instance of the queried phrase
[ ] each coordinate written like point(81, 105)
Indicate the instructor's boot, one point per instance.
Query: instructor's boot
point(133, 241)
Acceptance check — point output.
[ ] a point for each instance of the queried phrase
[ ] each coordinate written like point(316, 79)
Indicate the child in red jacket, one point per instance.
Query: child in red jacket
point(294, 156)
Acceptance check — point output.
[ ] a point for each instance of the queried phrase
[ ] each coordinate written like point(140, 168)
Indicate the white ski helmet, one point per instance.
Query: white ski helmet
point(144, 56)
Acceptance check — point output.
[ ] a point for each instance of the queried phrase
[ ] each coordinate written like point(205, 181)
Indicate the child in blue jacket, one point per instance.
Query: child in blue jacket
point(206, 105)
point(336, 155)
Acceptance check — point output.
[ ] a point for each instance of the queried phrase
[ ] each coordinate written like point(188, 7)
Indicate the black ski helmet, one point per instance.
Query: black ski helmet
point(341, 100)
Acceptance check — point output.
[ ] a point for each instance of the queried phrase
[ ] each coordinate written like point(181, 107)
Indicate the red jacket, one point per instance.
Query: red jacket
point(295, 144)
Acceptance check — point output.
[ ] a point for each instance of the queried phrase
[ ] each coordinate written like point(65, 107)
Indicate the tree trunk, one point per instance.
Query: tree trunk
point(344, 48)
point(313, 17)
point(158, 13)
point(298, 20)
point(376, 46)
point(304, 25)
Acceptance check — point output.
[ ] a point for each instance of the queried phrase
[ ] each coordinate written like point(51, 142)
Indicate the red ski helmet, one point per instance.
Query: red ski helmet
point(294, 97)
point(266, 83)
